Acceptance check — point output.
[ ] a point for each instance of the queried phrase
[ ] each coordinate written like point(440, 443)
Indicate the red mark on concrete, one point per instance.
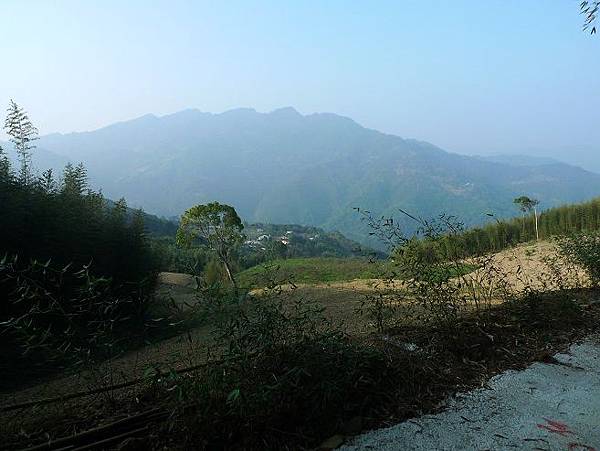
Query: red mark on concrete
point(556, 427)
point(580, 447)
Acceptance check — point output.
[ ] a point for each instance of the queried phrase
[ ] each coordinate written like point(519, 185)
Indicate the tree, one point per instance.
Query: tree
point(4, 165)
point(214, 226)
point(21, 133)
point(522, 209)
point(527, 204)
point(47, 183)
point(74, 180)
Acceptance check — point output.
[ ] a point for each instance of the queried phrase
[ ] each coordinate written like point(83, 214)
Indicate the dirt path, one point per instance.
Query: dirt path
point(544, 407)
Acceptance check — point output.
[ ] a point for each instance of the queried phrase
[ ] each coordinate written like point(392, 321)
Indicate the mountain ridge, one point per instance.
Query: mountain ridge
point(286, 167)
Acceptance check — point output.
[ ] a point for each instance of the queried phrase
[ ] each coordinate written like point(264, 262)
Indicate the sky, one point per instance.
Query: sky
point(474, 77)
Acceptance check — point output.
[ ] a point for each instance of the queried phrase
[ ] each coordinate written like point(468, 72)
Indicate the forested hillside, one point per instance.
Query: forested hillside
point(75, 269)
point(564, 220)
point(293, 240)
point(284, 167)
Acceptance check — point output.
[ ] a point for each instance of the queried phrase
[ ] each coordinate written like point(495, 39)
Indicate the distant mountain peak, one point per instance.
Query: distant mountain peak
point(287, 111)
point(244, 111)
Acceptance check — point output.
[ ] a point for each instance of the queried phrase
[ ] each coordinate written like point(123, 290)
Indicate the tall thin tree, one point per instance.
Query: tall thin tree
point(22, 134)
point(528, 204)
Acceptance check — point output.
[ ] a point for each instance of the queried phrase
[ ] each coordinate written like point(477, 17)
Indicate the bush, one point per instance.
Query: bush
point(432, 275)
point(282, 369)
point(583, 249)
point(57, 315)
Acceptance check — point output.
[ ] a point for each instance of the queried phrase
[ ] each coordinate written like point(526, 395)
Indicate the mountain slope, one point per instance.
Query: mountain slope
point(283, 167)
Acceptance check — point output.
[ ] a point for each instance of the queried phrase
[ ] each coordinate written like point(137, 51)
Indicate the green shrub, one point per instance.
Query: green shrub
point(53, 315)
point(583, 249)
point(283, 370)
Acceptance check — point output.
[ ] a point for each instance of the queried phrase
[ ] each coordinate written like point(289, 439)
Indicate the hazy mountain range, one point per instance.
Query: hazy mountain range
point(284, 167)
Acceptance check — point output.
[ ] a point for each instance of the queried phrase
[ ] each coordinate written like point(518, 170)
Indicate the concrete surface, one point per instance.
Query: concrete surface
point(544, 407)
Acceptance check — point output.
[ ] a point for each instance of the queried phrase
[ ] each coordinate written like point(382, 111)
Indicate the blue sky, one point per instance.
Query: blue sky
point(470, 76)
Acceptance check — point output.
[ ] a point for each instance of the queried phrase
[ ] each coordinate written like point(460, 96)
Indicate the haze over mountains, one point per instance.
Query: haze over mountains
point(284, 167)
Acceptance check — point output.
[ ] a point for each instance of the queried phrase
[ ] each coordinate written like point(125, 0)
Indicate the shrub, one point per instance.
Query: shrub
point(438, 280)
point(52, 315)
point(282, 369)
point(583, 249)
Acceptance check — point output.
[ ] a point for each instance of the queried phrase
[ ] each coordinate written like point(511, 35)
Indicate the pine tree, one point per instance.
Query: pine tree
point(21, 133)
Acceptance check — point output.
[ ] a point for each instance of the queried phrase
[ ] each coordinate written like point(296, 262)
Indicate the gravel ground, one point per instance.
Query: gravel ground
point(544, 407)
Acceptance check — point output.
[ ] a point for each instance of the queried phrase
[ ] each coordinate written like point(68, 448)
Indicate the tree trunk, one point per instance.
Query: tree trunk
point(230, 276)
point(537, 234)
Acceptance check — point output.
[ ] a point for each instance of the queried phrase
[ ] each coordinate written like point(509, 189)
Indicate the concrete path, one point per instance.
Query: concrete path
point(544, 407)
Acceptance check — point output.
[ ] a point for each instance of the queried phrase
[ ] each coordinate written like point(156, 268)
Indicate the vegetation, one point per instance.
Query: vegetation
point(215, 227)
point(264, 244)
point(292, 240)
point(590, 10)
point(494, 237)
point(54, 317)
point(526, 205)
point(583, 249)
point(306, 170)
point(280, 361)
point(312, 270)
point(73, 269)
point(77, 275)
point(22, 133)
point(437, 322)
point(271, 368)
point(275, 359)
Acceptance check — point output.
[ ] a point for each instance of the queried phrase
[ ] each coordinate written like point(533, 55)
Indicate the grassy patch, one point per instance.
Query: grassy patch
point(323, 270)
point(313, 270)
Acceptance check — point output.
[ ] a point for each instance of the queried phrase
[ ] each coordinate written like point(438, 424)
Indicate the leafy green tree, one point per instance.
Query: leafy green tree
point(214, 226)
point(526, 205)
point(21, 133)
